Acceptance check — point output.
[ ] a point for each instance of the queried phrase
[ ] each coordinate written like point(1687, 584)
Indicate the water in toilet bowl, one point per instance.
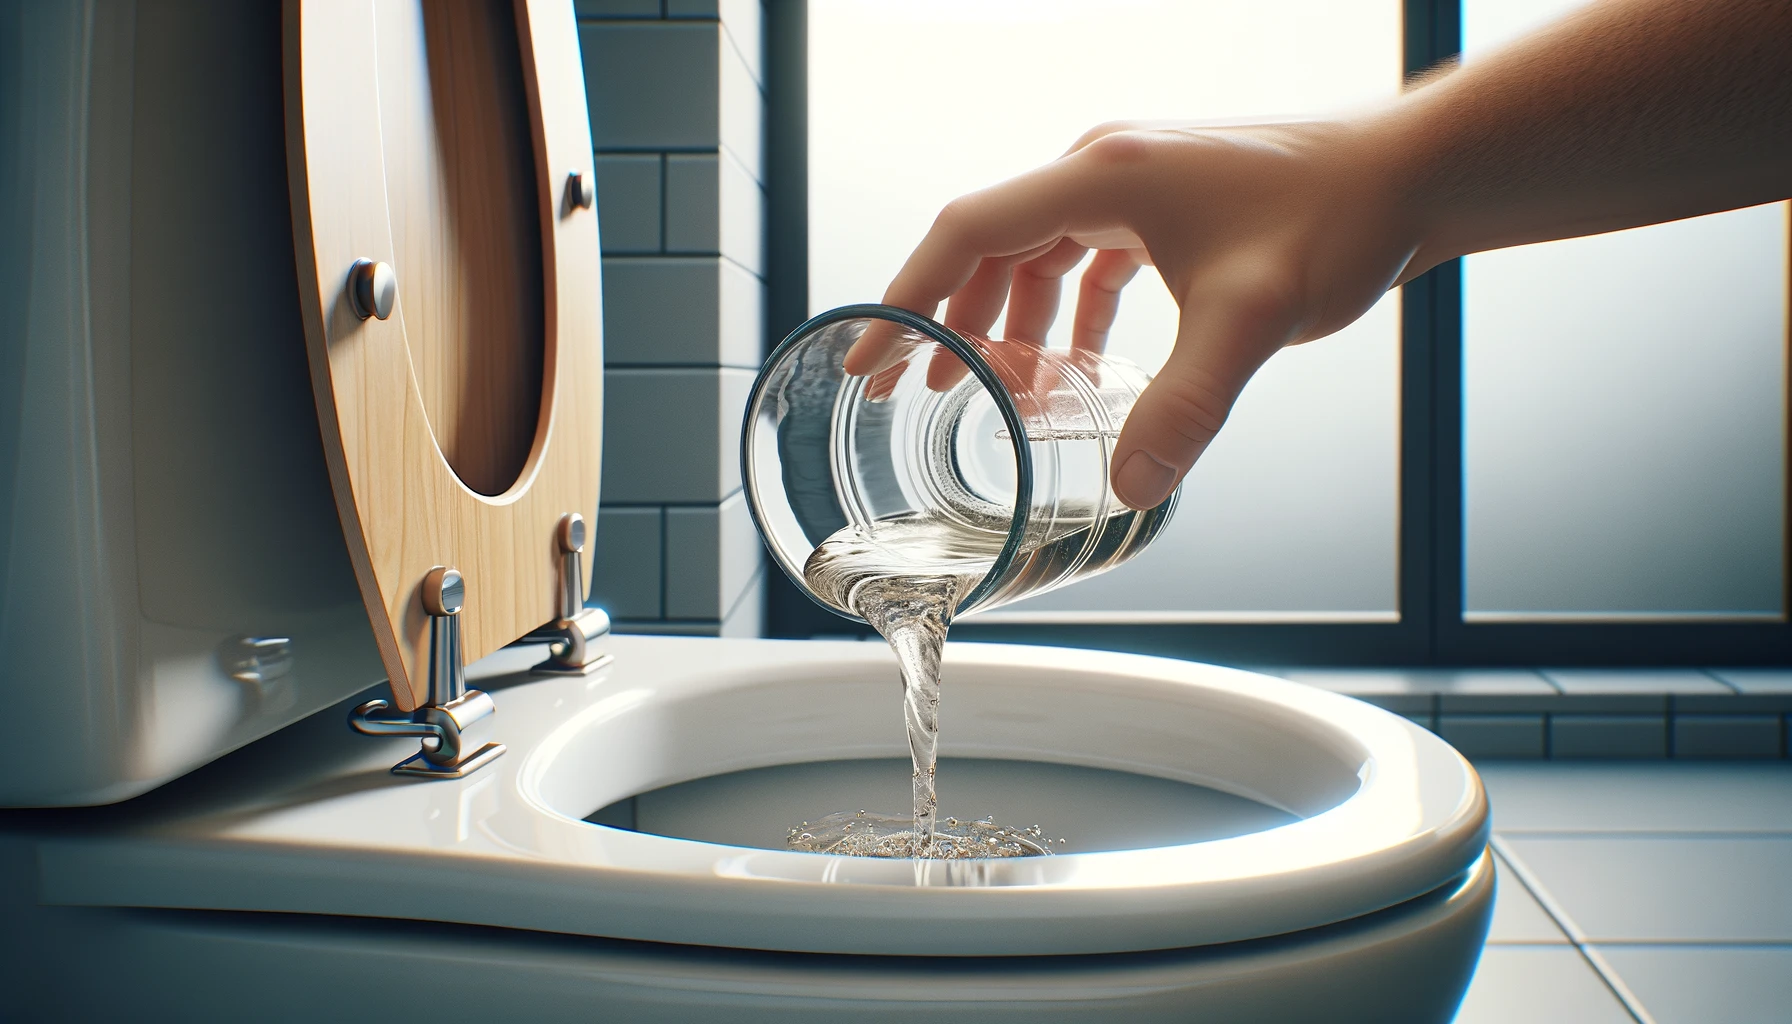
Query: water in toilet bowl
point(905, 576)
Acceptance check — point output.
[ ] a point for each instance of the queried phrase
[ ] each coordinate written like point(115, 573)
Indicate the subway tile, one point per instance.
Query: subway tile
point(693, 203)
point(747, 617)
point(628, 202)
point(742, 20)
point(1517, 916)
point(740, 338)
point(1727, 737)
point(655, 85)
point(1735, 704)
point(1652, 888)
point(1706, 984)
point(1493, 736)
point(1538, 985)
point(1756, 680)
point(741, 113)
point(1608, 736)
point(714, 206)
point(616, 8)
point(625, 574)
point(1660, 796)
point(712, 556)
point(672, 435)
point(699, 311)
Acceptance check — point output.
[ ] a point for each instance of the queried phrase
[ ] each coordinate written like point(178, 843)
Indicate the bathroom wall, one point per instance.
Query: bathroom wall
point(677, 113)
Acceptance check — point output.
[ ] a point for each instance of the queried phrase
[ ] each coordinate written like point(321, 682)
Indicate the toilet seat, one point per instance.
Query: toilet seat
point(383, 169)
point(1389, 812)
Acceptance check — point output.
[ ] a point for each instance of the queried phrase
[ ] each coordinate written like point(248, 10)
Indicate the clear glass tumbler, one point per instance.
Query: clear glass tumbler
point(1010, 446)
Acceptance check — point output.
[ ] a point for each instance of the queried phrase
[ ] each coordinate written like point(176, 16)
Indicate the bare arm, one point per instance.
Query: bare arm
point(1625, 113)
point(1630, 112)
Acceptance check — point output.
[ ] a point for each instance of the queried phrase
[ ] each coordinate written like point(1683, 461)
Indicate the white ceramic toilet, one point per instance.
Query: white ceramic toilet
point(202, 532)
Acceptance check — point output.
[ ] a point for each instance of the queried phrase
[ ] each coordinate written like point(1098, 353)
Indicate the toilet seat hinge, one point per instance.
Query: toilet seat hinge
point(454, 726)
point(574, 638)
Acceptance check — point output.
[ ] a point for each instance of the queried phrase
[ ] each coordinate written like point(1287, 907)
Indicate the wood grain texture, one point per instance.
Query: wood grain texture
point(404, 508)
point(460, 191)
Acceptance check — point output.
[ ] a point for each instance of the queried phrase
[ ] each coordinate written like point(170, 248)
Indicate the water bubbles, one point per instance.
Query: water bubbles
point(870, 834)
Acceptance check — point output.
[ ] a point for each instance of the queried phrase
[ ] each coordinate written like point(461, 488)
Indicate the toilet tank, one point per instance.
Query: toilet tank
point(174, 581)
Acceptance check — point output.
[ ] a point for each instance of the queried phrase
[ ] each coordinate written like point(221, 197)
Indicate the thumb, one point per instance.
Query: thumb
point(1178, 414)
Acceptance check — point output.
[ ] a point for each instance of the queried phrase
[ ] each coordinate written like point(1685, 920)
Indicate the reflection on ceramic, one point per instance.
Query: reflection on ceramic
point(1387, 811)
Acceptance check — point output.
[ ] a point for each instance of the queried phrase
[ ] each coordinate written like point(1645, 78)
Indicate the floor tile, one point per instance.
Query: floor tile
point(1707, 985)
point(1662, 889)
point(1651, 797)
point(1517, 916)
point(1756, 680)
point(1538, 985)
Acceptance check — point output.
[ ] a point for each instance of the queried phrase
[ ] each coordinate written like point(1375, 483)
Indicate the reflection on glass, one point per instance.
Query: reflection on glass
point(954, 96)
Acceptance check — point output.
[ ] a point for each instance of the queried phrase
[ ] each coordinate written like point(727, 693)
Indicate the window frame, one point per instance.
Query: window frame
point(1431, 630)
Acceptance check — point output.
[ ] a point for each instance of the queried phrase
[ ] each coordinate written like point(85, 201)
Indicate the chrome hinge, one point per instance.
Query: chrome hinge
point(575, 638)
point(455, 724)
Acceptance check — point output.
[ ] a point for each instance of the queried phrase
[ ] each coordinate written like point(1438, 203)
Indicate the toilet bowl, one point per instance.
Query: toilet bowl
point(244, 491)
point(1360, 887)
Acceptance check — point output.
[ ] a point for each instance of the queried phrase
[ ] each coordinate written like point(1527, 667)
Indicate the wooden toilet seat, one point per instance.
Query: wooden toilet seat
point(403, 148)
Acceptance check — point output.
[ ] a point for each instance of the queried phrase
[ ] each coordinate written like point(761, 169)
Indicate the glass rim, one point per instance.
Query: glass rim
point(986, 376)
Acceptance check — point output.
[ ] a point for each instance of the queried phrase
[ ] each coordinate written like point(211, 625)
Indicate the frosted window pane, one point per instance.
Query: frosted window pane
point(1625, 410)
point(1624, 441)
point(1293, 512)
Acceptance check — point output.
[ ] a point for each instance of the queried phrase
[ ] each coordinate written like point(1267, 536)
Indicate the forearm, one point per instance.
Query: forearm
point(1630, 112)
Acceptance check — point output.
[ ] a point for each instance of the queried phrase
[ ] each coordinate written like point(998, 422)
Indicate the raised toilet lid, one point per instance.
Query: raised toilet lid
point(309, 820)
point(438, 139)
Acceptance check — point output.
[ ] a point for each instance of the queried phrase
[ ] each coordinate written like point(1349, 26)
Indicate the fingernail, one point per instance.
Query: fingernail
point(1143, 481)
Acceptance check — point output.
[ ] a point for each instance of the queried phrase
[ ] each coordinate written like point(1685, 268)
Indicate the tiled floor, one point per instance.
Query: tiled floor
point(1642, 891)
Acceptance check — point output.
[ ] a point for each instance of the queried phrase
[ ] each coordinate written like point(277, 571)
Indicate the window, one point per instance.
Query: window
point(1473, 512)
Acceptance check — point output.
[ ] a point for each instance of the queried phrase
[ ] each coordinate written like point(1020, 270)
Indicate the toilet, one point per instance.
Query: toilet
point(307, 718)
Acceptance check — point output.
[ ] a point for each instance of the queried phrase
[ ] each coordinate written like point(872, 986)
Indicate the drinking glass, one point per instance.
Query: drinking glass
point(1011, 440)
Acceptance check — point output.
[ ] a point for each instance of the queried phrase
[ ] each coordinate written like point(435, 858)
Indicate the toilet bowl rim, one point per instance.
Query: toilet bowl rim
point(1443, 841)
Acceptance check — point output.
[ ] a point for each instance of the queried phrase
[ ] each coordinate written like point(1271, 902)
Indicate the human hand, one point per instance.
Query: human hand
point(1266, 235)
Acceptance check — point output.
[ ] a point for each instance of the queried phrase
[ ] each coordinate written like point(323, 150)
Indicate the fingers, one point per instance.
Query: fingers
point(1218, 347)
point(1033, 295)
point(970, 252)
point(1098, 300)
point(883, 383)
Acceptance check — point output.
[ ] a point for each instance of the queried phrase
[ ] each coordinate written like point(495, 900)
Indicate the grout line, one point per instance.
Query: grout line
point(1560, 916)
point(1609, 975)
point(1535, 887)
